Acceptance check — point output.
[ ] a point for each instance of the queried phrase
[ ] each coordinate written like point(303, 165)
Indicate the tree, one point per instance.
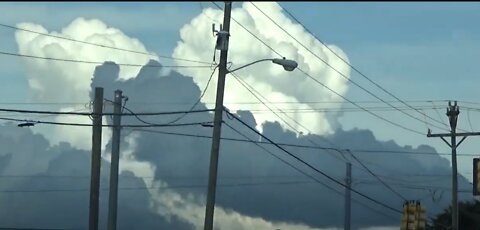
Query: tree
point(468, 217)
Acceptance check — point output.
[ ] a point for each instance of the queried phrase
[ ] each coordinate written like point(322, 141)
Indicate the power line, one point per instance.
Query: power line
point(102, 63)
point(59, 176)
point(247, 103)
point(285, 110)
point(5, 228)
point(33, 122)
point(336, 70)
point(45, 112)
point(414, 180)
point(199, 99)
point(304, 146)
point(42, 103)
point(103, 46)
point(378, 178)
point(250, 89)
point(364, 166)
point(336, 93)
point(350, 65)
point(305, 174)
point(186, 186)
point(282, 160)
point(470, 102)
point(423, 187)
point(393, 123)
point(250, 141)
point(48, 115)
point(329, 109)
point(131, 112)
point(182, 187)
point(471, 108)
point(469, 122)
point(103, 114)
point(271, 102)
point(360, 107)
point(12, 176)
point(409, 152)
point(438, 114)
point(311, 166)
point(202, 9)
point(150, 124)
point(250, 32)
point(358, 160)
point(374, 210)
point(245, 84)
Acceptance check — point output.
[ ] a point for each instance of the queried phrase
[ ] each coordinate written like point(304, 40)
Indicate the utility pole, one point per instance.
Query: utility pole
point(452, 113)
point(348, 183)
point(222, 45)
point(96, 158)
point(112, 198)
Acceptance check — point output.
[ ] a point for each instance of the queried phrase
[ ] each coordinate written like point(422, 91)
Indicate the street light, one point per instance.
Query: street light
point(288, 65)
point(222, 45)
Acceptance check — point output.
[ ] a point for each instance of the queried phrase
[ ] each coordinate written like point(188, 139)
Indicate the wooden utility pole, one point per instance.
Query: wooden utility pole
point(452, 113)
point(348, 183)
point(114, 162)
point(96, 158)
point(222, 45)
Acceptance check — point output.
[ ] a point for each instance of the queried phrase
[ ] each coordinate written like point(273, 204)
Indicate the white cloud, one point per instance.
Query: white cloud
point(197, 42)
point(51, 81)
point(59, 81)
point(191, 209)
point(169, 203)
point(79, 136)
point(48, 80)
point(128, 161)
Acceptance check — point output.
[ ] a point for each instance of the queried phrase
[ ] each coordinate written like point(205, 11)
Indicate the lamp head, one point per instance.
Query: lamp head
point(288, 65)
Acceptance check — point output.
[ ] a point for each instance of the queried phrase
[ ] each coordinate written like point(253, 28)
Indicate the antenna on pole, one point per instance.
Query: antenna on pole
point(213, 29)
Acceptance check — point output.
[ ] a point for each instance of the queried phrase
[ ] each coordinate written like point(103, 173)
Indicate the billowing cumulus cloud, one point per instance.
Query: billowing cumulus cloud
point(275, 84)
point(48, 79)
point(55, 177)
point(255, 188)
point(170, 203)
point(52, 81)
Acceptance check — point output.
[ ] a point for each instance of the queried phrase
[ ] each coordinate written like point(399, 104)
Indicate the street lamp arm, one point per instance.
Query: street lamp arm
point(249, 64)
point(288, 65)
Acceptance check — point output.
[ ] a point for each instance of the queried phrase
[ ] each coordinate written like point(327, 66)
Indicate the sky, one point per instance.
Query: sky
point(419, 52)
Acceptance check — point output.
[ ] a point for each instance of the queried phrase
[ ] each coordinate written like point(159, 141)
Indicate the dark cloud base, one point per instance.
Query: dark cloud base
point(184, 161)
